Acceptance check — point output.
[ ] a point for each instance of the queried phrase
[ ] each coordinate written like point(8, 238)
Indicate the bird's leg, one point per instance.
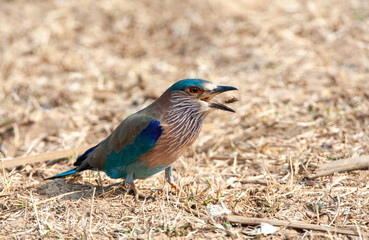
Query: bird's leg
point(135, 190)
point(100, 181)
point(130, 181)
point(169, 177)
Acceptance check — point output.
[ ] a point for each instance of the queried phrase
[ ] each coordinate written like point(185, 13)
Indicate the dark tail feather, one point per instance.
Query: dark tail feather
point(81, 158)
point(81, 166)
point(63, 174)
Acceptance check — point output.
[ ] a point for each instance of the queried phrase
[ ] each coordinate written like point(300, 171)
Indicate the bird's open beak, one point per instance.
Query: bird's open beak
point(220, 89)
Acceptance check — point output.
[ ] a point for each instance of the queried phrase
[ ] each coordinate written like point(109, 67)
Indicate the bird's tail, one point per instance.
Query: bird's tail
point(80, 163)
point(63, 174)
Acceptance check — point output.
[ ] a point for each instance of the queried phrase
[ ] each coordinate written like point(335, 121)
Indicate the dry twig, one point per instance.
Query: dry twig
point(348, 164)
point(294, 224)
point(14, 162)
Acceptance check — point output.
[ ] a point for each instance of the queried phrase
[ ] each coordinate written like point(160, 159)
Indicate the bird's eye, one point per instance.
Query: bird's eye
point(194, 90)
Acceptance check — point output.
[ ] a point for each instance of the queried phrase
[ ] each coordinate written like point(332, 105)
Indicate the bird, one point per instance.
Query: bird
point(152, 139)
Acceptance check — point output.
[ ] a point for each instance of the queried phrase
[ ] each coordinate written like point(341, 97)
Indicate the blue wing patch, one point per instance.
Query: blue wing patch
point(116, 162)
point(152, 131)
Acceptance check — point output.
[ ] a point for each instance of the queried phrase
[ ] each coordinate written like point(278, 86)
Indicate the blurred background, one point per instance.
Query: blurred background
point(71, 71)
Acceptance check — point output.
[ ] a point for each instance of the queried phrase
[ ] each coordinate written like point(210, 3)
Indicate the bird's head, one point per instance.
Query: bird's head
point(200, 93)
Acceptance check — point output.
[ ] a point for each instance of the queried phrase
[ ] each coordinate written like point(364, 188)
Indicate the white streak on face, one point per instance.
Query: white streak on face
point(209, 86)
point(204, 106)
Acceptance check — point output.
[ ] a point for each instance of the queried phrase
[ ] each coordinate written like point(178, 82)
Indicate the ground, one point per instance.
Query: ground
point(70, 71)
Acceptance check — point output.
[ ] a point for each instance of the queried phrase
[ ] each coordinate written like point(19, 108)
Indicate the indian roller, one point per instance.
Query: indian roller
point(150, 140)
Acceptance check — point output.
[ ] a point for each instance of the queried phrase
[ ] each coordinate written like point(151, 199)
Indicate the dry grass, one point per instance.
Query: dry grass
point(72, 70)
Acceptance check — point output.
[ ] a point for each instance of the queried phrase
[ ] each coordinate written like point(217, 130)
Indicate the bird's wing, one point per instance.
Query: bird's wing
point(134, 137)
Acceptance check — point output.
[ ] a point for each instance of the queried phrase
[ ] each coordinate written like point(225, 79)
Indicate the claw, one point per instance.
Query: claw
point(174, 186)
point(138, 194)
point(169, 177)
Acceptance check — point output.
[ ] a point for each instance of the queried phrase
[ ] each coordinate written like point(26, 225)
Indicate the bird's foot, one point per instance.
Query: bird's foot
point(141, 196)
point(174, 186)
point(138, 194)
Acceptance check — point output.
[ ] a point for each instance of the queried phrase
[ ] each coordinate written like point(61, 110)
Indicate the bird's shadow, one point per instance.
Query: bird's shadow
point(75, 191)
